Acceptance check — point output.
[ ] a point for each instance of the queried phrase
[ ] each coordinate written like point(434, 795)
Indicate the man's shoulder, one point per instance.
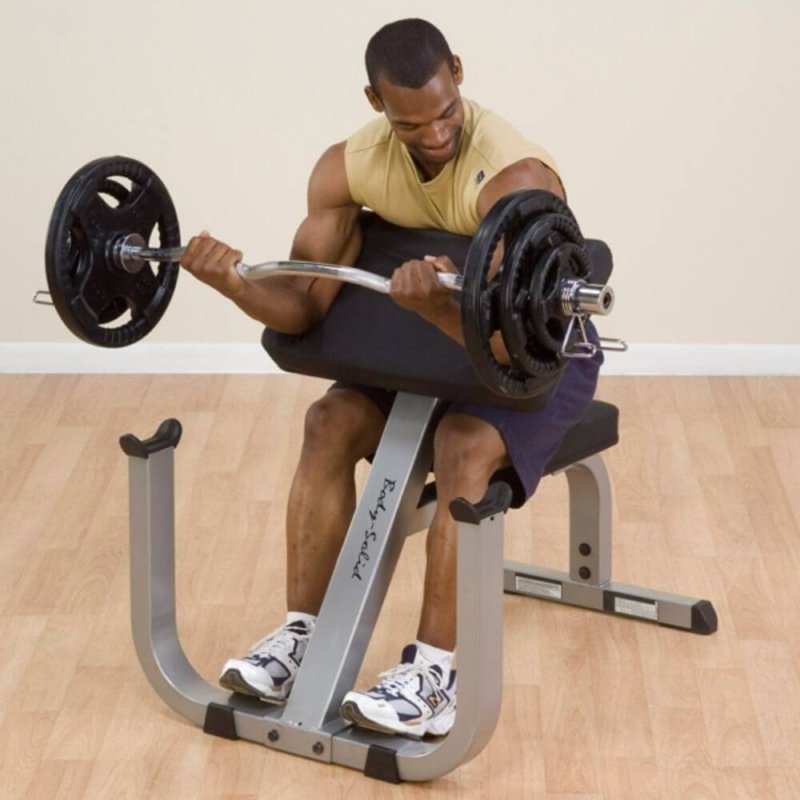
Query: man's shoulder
point(373, 135)
point(490, 133)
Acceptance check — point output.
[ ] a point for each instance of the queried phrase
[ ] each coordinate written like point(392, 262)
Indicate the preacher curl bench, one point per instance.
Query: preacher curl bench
point(357, 343)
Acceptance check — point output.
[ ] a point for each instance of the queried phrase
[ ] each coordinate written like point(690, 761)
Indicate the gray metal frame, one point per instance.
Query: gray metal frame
point(588, 583)
point(309, 723)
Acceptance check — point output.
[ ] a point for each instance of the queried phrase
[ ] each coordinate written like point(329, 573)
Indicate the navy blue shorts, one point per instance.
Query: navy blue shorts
point(531, 437)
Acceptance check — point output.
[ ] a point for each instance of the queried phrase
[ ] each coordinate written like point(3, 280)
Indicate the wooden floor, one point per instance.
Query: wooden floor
point(707, 503)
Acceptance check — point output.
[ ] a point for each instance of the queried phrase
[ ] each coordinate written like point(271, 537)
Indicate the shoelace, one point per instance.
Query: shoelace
point(281, 636)
point(397, 678)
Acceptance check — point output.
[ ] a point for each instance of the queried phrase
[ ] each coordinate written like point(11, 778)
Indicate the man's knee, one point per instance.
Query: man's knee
point(343, 423)
point(467, 449)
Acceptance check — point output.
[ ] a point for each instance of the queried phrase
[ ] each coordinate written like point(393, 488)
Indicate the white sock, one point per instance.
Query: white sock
point(434, 655)
point(298, 616)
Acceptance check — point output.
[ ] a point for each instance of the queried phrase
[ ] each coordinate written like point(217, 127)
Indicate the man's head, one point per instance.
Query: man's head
point(414, 80)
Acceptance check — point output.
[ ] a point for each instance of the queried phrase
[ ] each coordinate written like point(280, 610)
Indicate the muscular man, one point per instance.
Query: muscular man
point(433, 160)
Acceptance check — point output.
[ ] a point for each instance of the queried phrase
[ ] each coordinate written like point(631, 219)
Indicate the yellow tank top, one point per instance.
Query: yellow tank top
point(382, 175)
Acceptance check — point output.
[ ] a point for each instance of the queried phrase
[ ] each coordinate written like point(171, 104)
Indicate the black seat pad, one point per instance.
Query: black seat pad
point(597, 431)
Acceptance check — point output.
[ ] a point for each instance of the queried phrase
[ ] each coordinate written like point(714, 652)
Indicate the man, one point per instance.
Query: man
point(433, 160)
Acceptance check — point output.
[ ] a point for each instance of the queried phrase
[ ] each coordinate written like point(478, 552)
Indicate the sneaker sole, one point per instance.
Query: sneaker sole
point(232, 679)
point(350, 712)
point(439, 726)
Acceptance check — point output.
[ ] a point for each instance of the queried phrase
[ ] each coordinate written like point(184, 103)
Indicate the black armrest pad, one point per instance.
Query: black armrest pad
point(368, 339)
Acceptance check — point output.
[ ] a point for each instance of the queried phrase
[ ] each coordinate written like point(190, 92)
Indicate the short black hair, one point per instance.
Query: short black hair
point(407, 53)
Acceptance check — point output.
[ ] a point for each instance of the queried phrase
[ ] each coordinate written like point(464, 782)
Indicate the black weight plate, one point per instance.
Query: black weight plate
point(549, 251)
point(521, 262)
point(88, 288)
point(567, 261)
point(510, 216)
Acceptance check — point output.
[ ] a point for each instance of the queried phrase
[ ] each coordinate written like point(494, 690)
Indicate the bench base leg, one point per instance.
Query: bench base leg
point(674, 611)
point(588, 583)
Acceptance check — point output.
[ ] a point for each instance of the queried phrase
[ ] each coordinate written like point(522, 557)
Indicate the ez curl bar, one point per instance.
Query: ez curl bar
point(100, 271)
point(576, 296)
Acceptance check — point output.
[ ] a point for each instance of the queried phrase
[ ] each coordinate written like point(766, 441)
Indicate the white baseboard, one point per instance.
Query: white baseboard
point(641, 359)
point(143, 357)
point(705, 359)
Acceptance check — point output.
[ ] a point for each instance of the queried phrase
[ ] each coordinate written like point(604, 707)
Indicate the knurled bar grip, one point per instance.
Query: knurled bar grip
point(577, 295)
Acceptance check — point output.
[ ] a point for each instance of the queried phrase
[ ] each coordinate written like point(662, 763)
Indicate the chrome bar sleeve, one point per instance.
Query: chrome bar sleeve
point(134, 253)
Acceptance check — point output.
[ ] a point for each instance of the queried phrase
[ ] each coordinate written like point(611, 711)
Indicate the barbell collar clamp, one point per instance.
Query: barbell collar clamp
point(613, 345)
point(578, 296)
point(43, 298)
point(582, 347)
point(130, 253)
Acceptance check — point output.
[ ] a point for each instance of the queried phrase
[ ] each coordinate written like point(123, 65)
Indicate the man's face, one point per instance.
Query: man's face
point(428, 120)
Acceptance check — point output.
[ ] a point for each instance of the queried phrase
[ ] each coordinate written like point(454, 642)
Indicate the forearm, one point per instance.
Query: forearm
point(448, 320)
point(278, 303)
point(294, 305)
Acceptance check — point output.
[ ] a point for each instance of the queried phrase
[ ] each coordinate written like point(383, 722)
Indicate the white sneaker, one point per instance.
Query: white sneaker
point(269, 670)
point(411, 698)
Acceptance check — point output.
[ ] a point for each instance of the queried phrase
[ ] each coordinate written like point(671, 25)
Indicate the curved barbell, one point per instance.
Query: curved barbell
point(576, 296)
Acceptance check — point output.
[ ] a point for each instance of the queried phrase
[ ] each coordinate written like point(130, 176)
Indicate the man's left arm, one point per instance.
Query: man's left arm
point(530, 173)
point(414, 284)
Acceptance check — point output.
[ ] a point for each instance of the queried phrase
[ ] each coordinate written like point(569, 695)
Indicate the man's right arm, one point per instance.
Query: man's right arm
point(330, 233)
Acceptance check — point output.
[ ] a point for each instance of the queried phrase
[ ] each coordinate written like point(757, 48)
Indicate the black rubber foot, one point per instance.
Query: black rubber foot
point(382, 764)
point(220, 721)
point(704, 618)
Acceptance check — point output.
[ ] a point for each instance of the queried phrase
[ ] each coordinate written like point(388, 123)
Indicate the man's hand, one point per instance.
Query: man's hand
point(415, 286)
point(214, 263)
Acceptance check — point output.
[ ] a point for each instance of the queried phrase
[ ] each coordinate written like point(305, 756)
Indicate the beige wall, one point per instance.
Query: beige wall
point(675, 123)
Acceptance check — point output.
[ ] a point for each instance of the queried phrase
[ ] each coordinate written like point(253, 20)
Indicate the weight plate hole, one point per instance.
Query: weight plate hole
point(115, 314)
point(555, 328)
point(154, 241)
point(115, 191)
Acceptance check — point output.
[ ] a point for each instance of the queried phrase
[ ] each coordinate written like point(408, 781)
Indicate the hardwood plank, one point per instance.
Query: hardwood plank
point(621, 718)
point(21, 636)
point(730, 719)
point(774, 682)
point(48, 675)
point(83, 718)
point(630, 779)
point(739, 783)
point(23, 736)
point(61, 780)
point(567, 706)
point(776, 400)
point(685, 764)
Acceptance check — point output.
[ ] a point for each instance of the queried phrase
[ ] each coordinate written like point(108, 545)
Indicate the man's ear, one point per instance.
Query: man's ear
point(374, 100)
point(458, 70)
